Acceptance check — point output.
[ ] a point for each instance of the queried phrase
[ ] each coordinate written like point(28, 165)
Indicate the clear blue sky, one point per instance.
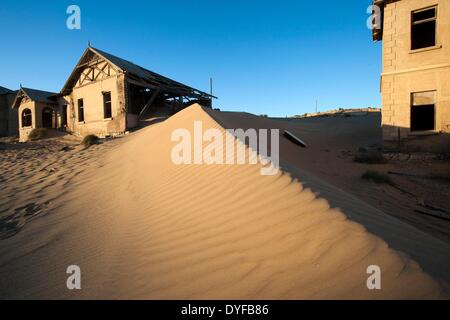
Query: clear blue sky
point(266, 57)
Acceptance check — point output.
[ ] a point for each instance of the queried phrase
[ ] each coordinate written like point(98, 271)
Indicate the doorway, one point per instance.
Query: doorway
point(64, 116)
point(47, 118)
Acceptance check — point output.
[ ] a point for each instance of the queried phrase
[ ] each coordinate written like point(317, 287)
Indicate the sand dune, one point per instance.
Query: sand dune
point(140, 226)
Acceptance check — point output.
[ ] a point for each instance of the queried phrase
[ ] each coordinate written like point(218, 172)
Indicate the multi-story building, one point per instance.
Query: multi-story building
point(415, 79)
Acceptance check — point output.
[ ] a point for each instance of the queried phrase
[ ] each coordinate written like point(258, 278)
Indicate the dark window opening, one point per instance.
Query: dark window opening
point(422, 117)
point(26, 118)
point(107, 112)
point(80, 110)
point(423, 28)
point(423, 111)
point(64, 116)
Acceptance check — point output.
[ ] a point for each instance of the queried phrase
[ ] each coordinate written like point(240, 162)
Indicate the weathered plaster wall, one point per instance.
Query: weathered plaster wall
point(13, 121)
point(94, 121)
point(8, 115)
point(406, 71)
point(25, 131)
point(3, 116)
point(36, 115)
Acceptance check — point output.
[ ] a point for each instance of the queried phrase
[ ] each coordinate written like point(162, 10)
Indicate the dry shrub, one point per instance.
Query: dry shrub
point(90, 140)
point(37, 134)
point(377, 177)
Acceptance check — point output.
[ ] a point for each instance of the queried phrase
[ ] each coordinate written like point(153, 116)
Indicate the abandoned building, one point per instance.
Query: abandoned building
point(104, 95)
point(35, 109)
point(8, 116)
point(415, 79)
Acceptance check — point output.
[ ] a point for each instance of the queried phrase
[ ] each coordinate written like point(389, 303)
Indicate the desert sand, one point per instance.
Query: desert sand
point(142, 227)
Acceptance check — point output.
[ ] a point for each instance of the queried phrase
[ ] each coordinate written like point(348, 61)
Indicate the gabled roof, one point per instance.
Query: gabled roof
point(4, 90)
point(34, 95)
point(39, 95)
point(134, 71)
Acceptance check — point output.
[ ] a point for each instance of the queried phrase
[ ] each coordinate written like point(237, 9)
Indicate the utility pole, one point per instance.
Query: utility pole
point(211, 91)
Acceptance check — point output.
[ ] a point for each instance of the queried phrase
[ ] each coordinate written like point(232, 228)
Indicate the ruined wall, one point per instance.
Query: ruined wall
point(406, 71)
point(36, 112)
point(94, 121)
point(25, 131)
point(13, 121)
point(3, 116)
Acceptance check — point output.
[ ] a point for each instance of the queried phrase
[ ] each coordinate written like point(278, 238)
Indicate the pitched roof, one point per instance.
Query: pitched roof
point(39, 95)
point(132, 70)
point(35, 95)
point(4, 90)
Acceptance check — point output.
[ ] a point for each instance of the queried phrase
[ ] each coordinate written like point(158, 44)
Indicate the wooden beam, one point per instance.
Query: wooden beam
point(149, 103)
point(89, 63)
point(141, 84)
point(175, 90)
point(100, 71)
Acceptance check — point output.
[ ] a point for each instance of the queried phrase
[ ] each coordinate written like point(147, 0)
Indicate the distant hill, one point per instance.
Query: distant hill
point(338, 112)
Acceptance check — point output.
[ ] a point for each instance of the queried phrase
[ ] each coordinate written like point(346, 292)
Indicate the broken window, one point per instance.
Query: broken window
point(423, 111)
point(80, 110)
point(107, 113)
point(423, 28)
point(26, 118)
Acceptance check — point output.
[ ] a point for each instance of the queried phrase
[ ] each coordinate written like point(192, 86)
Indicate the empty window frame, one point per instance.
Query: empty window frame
point(26, 118)
point(423, 105)
point(423, 28)
point(107, 111)
point(80, 110)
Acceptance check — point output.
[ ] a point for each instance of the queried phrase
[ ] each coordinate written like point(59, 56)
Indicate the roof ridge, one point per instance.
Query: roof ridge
point(4, 90)
point(139, 73)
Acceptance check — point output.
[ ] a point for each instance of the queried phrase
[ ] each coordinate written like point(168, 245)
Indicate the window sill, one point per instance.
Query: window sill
point(81, 122)
point(436, 47)
point(108, 119)
point(423, 133)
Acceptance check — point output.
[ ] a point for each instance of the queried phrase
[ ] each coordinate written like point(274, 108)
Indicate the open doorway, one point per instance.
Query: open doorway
point(47, 118)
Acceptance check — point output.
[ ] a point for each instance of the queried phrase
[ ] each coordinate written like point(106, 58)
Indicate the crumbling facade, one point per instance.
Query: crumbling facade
point(106, 96)
point(415, 80)
point(35, 109)
point(8, 115)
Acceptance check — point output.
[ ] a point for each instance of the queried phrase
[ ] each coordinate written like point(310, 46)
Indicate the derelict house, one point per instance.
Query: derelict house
point(8, 116)
point(36, 109)
point(415, 80)
point(104, 95)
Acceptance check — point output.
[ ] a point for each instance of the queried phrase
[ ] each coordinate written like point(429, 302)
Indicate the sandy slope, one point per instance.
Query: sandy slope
point(326, 166)
point(141, 227)
point(332, 144)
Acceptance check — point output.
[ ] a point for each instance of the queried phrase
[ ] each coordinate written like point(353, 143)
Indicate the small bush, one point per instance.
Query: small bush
point(90, 140)
point(377, 177)
point(37, 134)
